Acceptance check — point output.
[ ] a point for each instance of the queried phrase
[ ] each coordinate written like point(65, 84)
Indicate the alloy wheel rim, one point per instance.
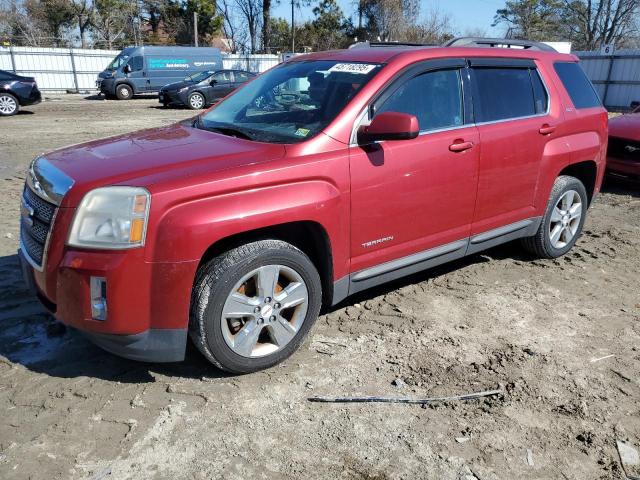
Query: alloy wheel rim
point(264, 311)
point(7, 104)
point(124, 92)
point(565, 219)
point(196, 101)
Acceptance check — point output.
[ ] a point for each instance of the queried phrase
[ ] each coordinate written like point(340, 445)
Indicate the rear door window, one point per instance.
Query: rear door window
point(505, 93)
point(578, 86)
point(434, 98)
point(240, 76)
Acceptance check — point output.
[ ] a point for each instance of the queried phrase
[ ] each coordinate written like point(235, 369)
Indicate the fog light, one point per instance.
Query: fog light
point(98, 298)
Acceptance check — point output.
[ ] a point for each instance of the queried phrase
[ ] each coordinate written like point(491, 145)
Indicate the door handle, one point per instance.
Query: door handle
point(546, 129)
point(460, 146)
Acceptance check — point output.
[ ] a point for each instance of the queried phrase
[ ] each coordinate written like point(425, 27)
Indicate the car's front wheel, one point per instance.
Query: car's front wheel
point(563, 219)
point(196, 101)
point(8, 104)
point(253, 306)
point(124, 92)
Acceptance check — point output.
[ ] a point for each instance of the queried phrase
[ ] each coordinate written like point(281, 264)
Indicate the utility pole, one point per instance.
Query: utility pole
point(195, 28)
point(293, 28)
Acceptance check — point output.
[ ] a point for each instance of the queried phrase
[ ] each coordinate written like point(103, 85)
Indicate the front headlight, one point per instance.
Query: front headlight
point(183, 89)
point(111, 218)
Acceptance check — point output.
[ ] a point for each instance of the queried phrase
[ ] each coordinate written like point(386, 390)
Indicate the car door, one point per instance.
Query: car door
point(239, 77)
point(511, 107)
point(135, 73)
point(413, 200)
point(222, 84)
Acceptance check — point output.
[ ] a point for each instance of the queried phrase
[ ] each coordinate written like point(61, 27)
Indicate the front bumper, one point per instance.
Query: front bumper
point(106, 86)
point(623, 167)
point(154, 345)
point(148, 303)
point(167, 97)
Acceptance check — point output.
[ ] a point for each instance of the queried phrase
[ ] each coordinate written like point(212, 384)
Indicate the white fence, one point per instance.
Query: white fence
point(63, 69)
point(616, 77)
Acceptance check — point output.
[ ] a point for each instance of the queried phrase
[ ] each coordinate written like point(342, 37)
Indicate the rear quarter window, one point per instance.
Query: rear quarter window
point(504, 93)
point(577, 85)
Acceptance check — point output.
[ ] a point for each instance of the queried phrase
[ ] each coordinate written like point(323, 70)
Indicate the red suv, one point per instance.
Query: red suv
point(329, 174)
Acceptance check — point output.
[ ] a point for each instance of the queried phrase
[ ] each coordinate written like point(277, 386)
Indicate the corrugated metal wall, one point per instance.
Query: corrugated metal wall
point(616, 77)
point(62, 69)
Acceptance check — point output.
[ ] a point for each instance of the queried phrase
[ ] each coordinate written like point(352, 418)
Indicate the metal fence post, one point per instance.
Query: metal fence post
point(13, 58)
point(607, 81)
point(75, 73)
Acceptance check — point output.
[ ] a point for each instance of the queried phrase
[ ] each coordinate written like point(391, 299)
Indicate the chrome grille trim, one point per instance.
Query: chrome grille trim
point(43, 192)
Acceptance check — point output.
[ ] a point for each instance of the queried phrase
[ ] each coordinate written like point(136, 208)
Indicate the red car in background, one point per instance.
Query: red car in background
point(623, 154)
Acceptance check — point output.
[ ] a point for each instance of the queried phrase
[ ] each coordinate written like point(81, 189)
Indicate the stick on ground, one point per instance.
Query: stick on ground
point(420, 401)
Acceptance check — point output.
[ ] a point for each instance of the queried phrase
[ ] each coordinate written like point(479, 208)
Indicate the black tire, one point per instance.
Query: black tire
point(124, 92)
point(540, 244)
point(10, 104)
point(213, 284)
point(196, 101)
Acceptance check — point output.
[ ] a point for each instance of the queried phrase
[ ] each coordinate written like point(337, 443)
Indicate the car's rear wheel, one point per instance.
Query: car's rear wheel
point(124, 92)
point(196, 101)
point(563, 220)
point(253, 306)
point(8, 104)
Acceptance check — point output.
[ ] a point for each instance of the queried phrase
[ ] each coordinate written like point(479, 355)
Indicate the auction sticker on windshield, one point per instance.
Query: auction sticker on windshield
point(362, 68)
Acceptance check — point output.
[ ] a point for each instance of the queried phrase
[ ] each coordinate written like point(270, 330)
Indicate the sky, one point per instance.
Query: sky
point(465, 14)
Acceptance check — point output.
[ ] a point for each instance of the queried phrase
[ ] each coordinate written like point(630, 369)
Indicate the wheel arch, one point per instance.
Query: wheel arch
point(585, 171)
point(308, 236)
point(124, 82)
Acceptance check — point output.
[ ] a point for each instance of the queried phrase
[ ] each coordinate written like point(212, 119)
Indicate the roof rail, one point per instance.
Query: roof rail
point(499, 43)
point(389, 44)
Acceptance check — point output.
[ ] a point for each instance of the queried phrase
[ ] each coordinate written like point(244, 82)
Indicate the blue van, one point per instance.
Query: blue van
point(147, 69)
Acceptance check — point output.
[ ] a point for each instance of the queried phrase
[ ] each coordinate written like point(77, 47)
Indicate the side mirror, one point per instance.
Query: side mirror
point(213, 82)
point(389, 126)
point(126, 68)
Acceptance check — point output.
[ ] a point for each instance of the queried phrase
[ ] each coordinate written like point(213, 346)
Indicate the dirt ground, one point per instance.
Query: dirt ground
point(560, 338)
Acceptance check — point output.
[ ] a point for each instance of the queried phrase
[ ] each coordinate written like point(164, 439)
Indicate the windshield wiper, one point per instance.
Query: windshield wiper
point(224, 130)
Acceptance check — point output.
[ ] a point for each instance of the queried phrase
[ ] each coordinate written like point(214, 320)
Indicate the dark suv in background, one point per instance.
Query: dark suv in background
point(17, 91)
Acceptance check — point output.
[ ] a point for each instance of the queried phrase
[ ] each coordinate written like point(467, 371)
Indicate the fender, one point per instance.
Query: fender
point(558, 154)
point(187, 230)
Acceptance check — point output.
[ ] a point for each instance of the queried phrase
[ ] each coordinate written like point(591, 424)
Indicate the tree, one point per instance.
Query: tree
point(592, 23)
point(111, 19)
point(55, 14)
point(328, 30)
point(251, 14)
point(266, 24)
point(82, 11)
point(280, 34)
point(531, 19)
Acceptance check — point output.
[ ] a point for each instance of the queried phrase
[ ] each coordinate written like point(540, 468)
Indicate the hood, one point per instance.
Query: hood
point(177, 85)
point(625, 126)
point(155, 155)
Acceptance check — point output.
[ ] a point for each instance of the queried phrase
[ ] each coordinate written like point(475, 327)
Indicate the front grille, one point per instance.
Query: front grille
point(623, 149)
point(35, 225)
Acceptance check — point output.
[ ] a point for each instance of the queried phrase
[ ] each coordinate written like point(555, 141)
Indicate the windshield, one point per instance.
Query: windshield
point(200, 76)
point(118, 62)
point(290, 103)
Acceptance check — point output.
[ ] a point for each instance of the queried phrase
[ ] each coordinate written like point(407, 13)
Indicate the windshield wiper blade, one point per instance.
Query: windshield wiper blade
point(229, 131)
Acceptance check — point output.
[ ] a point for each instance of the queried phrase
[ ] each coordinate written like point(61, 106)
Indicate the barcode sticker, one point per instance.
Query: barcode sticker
point(362, 68)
